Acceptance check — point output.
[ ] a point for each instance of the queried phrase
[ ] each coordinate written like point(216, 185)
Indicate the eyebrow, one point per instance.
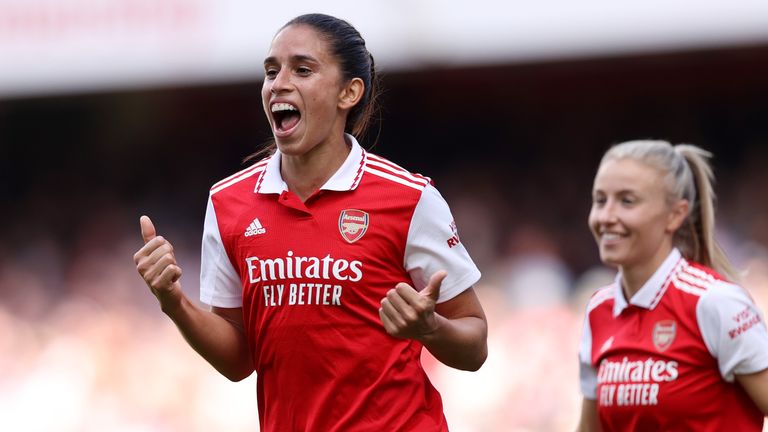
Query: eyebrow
point(618, 192)
point(298, 58)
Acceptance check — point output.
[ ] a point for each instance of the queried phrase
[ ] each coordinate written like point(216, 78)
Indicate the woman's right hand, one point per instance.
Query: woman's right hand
point(157, 265)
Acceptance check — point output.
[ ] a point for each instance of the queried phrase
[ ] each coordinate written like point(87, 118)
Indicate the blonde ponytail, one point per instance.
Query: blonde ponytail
point(698, 232)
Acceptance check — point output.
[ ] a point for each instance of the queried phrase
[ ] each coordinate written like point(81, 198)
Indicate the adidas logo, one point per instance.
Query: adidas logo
point(255, 228)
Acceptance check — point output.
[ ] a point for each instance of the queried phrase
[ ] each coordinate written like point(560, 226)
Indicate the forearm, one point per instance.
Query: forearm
point(460, 343)
point(217, 337)
point(220, 342)
point(756, 386)
point(589, 421)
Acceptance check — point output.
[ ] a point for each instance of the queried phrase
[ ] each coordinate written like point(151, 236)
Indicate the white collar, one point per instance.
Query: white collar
point(649, 295)
point(346, 178)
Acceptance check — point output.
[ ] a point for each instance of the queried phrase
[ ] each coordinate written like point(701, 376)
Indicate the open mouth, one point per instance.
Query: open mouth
point(286, 116)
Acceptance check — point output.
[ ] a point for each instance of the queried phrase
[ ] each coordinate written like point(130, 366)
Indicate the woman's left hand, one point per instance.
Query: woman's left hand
point(410, 314)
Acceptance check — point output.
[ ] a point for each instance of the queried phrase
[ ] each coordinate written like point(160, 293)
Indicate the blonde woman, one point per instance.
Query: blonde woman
point(674, 344)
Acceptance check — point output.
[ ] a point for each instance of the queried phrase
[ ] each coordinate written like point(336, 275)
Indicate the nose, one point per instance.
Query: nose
point(606, 213)
point(280, 83)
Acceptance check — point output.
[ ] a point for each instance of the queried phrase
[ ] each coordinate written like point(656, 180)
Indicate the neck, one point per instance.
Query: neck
point(633, 277)
point(306, 173)
point(632, 281)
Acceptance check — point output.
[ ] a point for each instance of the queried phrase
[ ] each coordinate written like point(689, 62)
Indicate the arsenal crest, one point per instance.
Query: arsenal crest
point(353, 224)
point(664, 334)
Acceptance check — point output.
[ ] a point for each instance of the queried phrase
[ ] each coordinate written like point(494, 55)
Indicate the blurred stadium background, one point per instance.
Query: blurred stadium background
point(115, 108)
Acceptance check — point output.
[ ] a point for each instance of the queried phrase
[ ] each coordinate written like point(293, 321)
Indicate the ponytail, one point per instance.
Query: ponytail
point(360, 119)
point(697, 235)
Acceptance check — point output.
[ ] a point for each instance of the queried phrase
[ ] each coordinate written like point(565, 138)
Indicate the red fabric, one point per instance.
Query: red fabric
point(662, 386)
point(329, 366)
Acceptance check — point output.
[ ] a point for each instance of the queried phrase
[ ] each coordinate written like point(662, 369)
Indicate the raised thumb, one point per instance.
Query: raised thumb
point(432, 290)
point(147, 229)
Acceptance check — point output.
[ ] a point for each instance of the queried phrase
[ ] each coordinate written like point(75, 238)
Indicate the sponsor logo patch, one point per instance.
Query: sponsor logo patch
point(353, 224)
point(664, 333)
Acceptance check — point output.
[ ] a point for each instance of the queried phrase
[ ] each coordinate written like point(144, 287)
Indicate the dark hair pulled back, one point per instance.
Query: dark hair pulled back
point(348, 47)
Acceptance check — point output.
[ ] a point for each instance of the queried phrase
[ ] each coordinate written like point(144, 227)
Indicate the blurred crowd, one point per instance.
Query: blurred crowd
point(83, 346)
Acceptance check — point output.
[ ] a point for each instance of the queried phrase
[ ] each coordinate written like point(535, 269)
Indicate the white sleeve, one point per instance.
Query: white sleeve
point(433, 244)
point(733, 330)
point(219, 282)
point(587, 373)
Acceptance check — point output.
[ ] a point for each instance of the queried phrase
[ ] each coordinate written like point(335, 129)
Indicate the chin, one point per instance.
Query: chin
point(287, 146)
point(611, 259)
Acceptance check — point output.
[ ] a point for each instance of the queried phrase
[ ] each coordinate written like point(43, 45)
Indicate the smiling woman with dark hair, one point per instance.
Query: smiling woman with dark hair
point(327, 268)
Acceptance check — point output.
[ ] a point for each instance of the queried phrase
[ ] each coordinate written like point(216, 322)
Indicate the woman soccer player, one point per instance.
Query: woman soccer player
point(326, 267)
point(673, 344)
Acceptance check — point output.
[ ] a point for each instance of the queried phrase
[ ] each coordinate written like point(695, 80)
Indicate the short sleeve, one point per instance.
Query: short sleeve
point(587, 372)
point(733, 330)
point(219, 282)
point(433, 244)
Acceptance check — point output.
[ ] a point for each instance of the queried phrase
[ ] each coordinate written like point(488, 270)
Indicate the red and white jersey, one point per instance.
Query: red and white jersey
point(666, 360)
point(310, 277)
